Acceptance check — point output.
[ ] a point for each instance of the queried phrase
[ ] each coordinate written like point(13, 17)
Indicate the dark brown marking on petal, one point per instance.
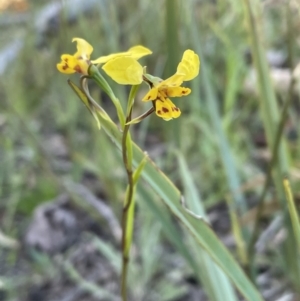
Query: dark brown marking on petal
point(165, 110)
point(159, 112)
point(77, 69)
point(184, 91)
point(148, 97)
point(65, 67)
point(175, 109)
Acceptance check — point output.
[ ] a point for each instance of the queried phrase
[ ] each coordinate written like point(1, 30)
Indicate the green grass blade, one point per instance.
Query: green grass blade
point(87, 286)
point(269, 107)
point(292, 210)
point(271, 119)
point(215, 281)
point(109, 252)
point(85, 101)
point(213, 110)
point(168, 226)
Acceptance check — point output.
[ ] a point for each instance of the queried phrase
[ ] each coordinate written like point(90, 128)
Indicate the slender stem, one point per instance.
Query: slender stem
point(102, 83)
point(127, 160)
point(272, 164)
point(124, 278)
point(143, 116)
point(126, 144)
point(127, 203)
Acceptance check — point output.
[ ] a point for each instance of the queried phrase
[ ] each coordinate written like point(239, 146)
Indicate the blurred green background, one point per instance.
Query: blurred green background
point(62, 181)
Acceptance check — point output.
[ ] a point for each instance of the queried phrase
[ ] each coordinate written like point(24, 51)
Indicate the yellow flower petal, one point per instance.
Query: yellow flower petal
point(67, 64)
point(77, 65)
point(70, 60)
point(79, 62)
point(135, 52)
point(139, 51)
point(187, 69)
point(106, 58)
point(124, 70)
point(173, 81)
point(63, 68)
point(166, 109)
point(189, 65)
point(151, 95)
point(84, 49)
point(177, 91)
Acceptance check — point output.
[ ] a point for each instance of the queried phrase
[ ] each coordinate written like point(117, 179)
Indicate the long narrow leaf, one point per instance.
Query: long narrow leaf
point(293, 211)
point(214, 280)
point(213, 110)
point(199, 229)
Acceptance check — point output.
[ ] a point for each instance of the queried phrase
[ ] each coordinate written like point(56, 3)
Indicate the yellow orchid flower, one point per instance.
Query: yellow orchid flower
point(127, 71)
point(80, 61)
point(161, 90)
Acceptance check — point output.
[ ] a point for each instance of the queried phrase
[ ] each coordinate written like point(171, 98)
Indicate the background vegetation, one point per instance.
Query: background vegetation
point(61, 180)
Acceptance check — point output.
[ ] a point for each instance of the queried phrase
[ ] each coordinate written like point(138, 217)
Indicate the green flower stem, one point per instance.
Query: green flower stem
point(131, 97)
point(143, 116)
point(126, 147)
point(127, 227)
point(129, 204)
point(103, 84)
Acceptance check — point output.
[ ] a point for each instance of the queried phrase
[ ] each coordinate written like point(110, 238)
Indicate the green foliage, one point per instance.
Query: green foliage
point(221, 140)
